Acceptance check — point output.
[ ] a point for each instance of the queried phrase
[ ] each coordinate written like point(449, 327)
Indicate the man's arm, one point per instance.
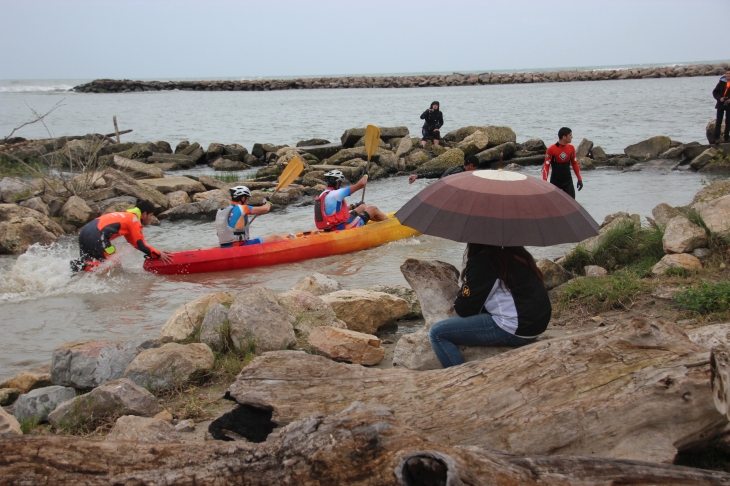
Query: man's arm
point(576, 166)
point(263, 209)
point(546, 165)
point(424, 115)
point(136, 239)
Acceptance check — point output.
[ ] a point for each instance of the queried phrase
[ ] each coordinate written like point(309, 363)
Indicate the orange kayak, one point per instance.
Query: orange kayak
point(311, 244)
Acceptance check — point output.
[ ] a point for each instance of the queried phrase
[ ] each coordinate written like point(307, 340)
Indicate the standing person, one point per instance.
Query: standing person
point(433, 121)
point(231, 222)
point(331, 211)
point(470, 163)
point(722, 94)
point(95, 238)
point(561, 157)
point(503, 302)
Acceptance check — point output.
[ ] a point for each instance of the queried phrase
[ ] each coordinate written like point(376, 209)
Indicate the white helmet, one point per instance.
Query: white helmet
point(239, 192)
point(334, 176)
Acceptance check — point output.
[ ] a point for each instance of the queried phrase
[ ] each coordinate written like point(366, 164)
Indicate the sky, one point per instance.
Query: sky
point(160, 39)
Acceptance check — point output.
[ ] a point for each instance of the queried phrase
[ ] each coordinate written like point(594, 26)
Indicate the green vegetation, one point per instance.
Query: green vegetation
point(83, 421)
point(705, 298)
point(595, 295)
point(716, 242)
point(235, 176)
point(28, 425)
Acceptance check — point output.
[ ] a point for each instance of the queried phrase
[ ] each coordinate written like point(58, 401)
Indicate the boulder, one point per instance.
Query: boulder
point(553, 274)
point(702, 253)
point(493, 154)
point(257, 316)
point(188, 317)
point(535, 145)
point(595, 271)
point(321, 151)
point(703, 159)
point(204, 210)
point(388, 162)
point(474, 143)
point(317, 284)
point(683, 236)
point(76, 212)
point(138, 170)
point(353, 153)
point(170, 184)
point(663, 212)
point(215, 151)
point(404, 147)
point(599, 154)
point(404, 293)
point(143, 429)
point(586, 163)
point(693, 149)
point(87, 364)
point(710, 130)
point(171, 161)
point(8, 424)
point(366, 311)
point(361, 143)
point(222, 164)
point(182, 146)
point(214, 326)
point(140, 192)
point(648, 149)
point(621, 161)
point(8, 396)
point(417, 158)
point(31, 379)
point(584, 148)
point(137, 151)
point(37, 204)
point(450, 158)
point(312, 142)
point(220, 195)
point(679, 260)
point(353, 135)
point(309, 312)
point(210, 183)
point(170, 365)
point(115, 204)
point(456, 136)
point(13, 189)
point(21, 227)
point(499, 135)
point(234, 149)
point(716, 215)
point(715, 190)
point(185, 426)
point(164, 146)
point(346, 345)
point(178, 198)
point(195, 152)
point(41, 401)
point(118, 397)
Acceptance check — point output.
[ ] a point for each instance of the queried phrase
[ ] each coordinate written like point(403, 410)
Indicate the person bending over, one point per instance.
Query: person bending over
point(433, 121)
point(331, 211)
point(722, 94)
point(503, 302)
point(470, 163)
point(561, 157)
point(231, 222)
point(95, 238)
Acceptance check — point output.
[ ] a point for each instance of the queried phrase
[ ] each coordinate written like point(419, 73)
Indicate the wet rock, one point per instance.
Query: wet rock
point(257, 315)
point(42, 401)
point(138, 170)
point(365, 310)
point(313, 178)
point(346, 345)
point(584, 148)
point(118, 397)
point(31, 379)
point(535, 145)
point(222, 164)
point(317, 284)
point(493, 154)
point(188, 317)
point(474, 143)
point(450, 158)
point(169, 366)
point(76, 212)
point(21, 227)
point(178, 198)
point(702, 253)
point(404, 293)
point(679, 260)
point(13, 189)
point(214, 325)
point(8, 396)
point(648, 149)
point(195, 152)
point(9, 424)
point(683, 236)
point(595, 271)
point(663, 212)
point(716, 214)
point(170, 184)
point(204, 210)
point(37, 204)
point(143, 429)
point(513, 167)
point(703, 159)
point(353, 135)
point(87, 364)
point(309, 312)
point(553, 274)
point(599, 154)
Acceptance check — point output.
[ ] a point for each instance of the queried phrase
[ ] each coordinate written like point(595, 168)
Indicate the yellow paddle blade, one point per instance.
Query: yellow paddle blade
point(372, 137)
point(291, 172)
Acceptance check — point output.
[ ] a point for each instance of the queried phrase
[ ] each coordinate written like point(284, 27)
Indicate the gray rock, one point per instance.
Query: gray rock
point(222, 164)
point(663, 212)
point(702, 253)
point(683, 236)
point(534, 145)
point(474, 143)
point(257, 315)
point(553, 274)
point(322, 151)
point(404, 293)
point(118, 397)
point(216, 318)
point(143, 429)
point(693, 149)
point(599, 154)
point(215, 151)
point(710, 130)
point(595, 271)
point(185, 426)
point(317, 284)
point(203, 210)
point(164, 146)
point(138, 170)
point(586, 163)
point(41, 401)
point(404, 147)
point(703, 159)
point(76, 212)
point(621, 161)
point(492, 154)
point(648, 149)
point(37, 204)
point(584, 148)
point(716, 214)
point(309, 312)
point(169, 366)
point(14, 189)
point(87, 364)
point(312, 142)
point(182, 146)
point(450, 158)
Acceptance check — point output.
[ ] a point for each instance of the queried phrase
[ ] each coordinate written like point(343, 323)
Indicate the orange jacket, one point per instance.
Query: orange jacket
point(126, 224)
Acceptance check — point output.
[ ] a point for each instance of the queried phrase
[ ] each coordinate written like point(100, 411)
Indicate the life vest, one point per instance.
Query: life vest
point(323, 220)
point(727, 88)
point(226, 234)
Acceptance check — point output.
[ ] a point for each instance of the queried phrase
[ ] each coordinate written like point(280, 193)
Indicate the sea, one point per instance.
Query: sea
point(42, 306)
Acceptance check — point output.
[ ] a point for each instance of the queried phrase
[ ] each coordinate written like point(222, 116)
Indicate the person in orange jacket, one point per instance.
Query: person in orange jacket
point(95, 238)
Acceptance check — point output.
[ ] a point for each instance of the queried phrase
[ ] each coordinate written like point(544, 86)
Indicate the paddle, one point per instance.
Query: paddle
point(372, 138)
point(291, 172)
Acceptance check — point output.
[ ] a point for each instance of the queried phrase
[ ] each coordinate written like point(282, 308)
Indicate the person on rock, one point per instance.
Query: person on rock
point(231, 222)
point(470, 163)
point(502, 302)
point(433, 121)
point(95, 238)
point(561, 157)
point(331, 211)
point(722, 94)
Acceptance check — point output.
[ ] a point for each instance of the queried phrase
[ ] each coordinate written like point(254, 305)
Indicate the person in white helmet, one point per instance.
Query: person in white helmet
point(231, 222)
point(331, 211)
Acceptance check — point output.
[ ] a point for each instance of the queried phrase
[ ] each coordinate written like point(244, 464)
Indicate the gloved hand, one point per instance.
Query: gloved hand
point(579, 185)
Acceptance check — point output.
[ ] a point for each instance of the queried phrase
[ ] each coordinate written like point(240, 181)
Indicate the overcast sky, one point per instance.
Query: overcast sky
point(157, 39)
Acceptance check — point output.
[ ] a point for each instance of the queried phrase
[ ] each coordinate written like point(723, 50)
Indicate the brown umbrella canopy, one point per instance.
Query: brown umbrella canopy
point(498, 208)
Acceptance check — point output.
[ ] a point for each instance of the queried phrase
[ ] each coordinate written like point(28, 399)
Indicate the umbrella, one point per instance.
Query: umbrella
point(500, 208)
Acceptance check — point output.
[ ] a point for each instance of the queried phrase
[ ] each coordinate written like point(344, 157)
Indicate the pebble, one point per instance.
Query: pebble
point(185, 426)
point(597, 319)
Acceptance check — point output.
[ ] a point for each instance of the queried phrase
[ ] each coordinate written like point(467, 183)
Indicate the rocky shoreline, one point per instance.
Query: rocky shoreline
point(419, 81)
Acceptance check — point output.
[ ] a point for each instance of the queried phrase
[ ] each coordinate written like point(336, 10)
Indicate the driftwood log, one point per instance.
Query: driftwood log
point(360, 446)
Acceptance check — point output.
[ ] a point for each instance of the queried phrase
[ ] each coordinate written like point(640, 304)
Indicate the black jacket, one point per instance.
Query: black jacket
point(434, 119)
point(719, 92)
point(441, 174)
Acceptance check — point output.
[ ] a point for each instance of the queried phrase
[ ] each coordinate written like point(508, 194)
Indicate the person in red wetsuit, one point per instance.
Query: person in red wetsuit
point(561, 157)
point(95, 237)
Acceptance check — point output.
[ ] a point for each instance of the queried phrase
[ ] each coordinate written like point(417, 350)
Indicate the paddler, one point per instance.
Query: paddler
point(231, 222)
point(95, 238)
point(331, 212)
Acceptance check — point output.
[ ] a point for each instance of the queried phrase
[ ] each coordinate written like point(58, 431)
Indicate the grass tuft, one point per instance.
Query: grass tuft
point(595, 295)
point(28, 425)
point(706, 298)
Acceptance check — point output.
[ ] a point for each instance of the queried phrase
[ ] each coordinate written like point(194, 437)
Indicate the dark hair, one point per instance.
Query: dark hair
point(145, 206)
point(471, 160)
point(563, 132)
point(435, 103)
point(502, 260)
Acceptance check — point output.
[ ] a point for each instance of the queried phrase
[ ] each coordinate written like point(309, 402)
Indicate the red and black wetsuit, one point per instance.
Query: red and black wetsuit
point(561, 157)
point(97, 235)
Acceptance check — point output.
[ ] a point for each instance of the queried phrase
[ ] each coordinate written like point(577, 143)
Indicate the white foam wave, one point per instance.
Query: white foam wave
point(35, 88)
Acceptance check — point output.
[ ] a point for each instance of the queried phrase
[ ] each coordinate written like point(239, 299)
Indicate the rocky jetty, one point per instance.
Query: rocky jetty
point(422, 81)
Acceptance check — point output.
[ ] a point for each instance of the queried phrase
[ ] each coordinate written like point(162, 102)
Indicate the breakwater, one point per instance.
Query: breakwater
point(420, 81)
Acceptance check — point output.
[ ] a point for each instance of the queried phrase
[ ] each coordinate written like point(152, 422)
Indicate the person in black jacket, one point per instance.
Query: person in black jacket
point(722, 94)
point(503, 302)
point(470, 163)
point(433, 121)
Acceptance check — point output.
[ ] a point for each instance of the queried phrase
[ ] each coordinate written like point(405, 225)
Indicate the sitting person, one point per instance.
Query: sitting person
point(503, 302)
point(331, 211)
point(231, 222)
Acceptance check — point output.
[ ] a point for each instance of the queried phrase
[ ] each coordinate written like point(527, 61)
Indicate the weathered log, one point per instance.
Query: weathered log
point(638, 390)
point(360, 446)
point(720, 377)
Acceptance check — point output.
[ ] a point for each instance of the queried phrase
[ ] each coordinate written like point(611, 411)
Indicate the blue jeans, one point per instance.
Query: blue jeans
point(478, 330)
